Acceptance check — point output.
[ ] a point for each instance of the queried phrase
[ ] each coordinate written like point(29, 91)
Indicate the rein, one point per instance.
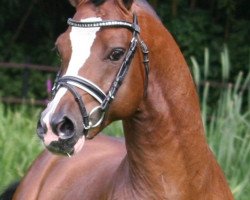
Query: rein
point(70, 82)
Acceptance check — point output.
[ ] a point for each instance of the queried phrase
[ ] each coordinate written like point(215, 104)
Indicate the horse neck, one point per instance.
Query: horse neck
point(165, 134)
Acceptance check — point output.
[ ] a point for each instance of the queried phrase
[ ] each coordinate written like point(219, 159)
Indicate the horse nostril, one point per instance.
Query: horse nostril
point(41, 129)
point(65, 128)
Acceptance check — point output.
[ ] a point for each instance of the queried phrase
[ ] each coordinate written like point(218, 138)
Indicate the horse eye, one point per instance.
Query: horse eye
point(116, 54)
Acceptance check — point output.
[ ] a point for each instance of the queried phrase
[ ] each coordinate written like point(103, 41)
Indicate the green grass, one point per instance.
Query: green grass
point(226, 119)
point(19, 144)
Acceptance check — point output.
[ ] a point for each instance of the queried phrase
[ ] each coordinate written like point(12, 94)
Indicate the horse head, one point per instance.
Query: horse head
point(102, 76)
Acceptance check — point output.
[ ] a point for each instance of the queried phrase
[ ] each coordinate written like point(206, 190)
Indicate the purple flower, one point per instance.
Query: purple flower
point(49, 85)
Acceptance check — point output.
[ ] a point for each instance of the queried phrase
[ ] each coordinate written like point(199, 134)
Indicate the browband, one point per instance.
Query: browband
point(105, 23)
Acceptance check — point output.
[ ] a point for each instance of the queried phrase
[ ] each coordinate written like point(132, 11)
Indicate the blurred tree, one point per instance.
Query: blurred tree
point(154, 3)
point(30, 27)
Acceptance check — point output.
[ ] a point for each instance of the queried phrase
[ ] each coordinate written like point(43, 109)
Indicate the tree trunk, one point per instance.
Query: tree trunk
point(175, 8)
point(193, 4)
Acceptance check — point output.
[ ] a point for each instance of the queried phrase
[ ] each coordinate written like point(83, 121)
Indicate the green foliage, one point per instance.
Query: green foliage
point(115, 129)
point(211, 24)
point(30, 28)
point(19, 144)
point(228, 131)
point(28, 32)
point(227, 122)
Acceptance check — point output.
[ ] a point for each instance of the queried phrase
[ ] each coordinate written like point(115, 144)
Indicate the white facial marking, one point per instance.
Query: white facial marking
point(82, 40)
point(52, 106)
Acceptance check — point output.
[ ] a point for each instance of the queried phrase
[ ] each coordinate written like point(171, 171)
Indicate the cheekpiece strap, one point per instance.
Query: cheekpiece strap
point(70, 82)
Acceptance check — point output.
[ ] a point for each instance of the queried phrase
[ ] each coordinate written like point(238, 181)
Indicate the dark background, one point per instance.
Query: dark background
point(28, 29)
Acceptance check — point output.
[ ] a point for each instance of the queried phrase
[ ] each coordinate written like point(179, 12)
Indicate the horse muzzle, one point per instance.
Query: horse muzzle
point(63, 132)
point(60, 135)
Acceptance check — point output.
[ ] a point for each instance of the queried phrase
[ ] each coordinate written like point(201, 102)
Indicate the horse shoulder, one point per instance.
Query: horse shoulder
point(87, 175)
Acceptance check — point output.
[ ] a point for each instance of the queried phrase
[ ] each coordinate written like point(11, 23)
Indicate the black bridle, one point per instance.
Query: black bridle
point(71, 82)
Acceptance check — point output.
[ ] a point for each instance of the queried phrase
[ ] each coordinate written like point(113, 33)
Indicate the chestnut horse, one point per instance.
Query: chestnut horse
point(105, 77)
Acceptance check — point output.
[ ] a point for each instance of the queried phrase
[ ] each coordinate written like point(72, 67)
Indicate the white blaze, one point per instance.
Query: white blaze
point(52, 106)
point(81, 42)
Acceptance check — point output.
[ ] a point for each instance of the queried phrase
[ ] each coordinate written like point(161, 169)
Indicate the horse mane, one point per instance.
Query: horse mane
point(144, 5)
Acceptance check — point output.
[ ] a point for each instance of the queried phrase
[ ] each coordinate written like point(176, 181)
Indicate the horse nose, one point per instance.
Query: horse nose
point(62, 126)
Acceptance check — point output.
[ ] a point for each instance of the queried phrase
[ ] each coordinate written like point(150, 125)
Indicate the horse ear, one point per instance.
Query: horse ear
point(74, 2)
point(127, 3)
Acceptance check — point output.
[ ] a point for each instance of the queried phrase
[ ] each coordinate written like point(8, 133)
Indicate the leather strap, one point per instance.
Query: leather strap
point(70, 82)
point(105, 23)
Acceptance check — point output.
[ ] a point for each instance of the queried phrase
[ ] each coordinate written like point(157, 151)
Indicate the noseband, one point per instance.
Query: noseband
point(71, 82)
